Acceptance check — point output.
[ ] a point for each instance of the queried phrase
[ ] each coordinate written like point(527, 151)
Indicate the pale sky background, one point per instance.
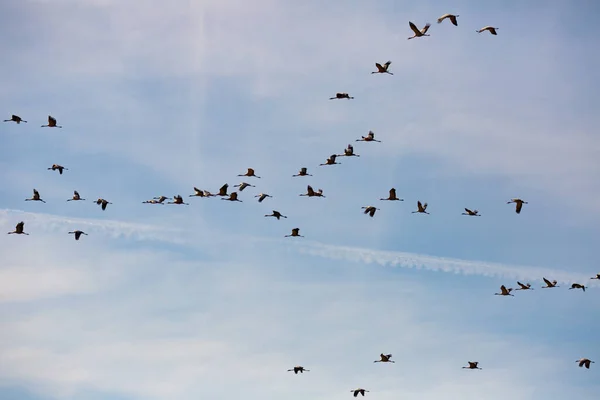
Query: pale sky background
point(210, 300)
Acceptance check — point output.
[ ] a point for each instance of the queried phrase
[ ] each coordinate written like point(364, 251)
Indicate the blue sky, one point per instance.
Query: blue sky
point(176, 302)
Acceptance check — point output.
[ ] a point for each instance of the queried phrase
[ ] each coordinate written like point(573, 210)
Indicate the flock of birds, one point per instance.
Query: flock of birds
point(224, 194)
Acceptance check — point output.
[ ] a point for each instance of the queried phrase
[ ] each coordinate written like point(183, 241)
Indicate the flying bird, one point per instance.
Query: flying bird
point(19, 229)
point(303, 172)
point(262, 196)
point(473, 213)
point(472, 365)
point(370, 210)
point(276, 214)
point(233, 196)
point(51, 123)
point(504, 291)
point(295, 233)
point(156, 200)
point(369, 138)
point(15, 118)
point(250, 172)
point(421, 208)
point(223, 190)
point(331, 160)
point(348, 152)
point(549, 284)
point(385, 358)
point(177, 200)
point(524, 287)
point(382, 69)
point(491, 29)
point(77, 234)
point(60, 168)
point(299, 368)
point(36, 197)
point(311, 193)
point(418, 33)
point(341, 96)
point(451, 17)
point(103, 202)
point(393, 196)
point(359, 390)
point(200, 193)
point(76, 196)
point(584, 361)
point(243, 186)
point(577, 286)
point(519, 204)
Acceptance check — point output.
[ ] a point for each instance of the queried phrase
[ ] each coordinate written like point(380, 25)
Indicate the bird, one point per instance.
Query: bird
point(51, 123)
point(577, 286)
point(243, 186)
point(341, 96)
point(233, 196)
point(76, 196)
point(383, 69)
point(331, 160)
point(177, 200)
point(156, 200)
point(596, 277)
point(369, 138)
point(311, 193)
point(504, 291)
point(449, 16)
point(19, 229)
point(584, 361)
point(357, 391)
point(77, 234)
point(393, 196)
point(223, 190)
point(15, 118)
point(348, 152)
point(295, 233)
point(200, 193)
point(250, 172)
point(262, 196)
point(418, 33)
point(491, 29)
point(276, 214)
point(36, 197)
point(473, 213)
point(385, 358)
point(303, 172)
point(421, 208)
point(370, 210)
point(103, 202)
point(549, 284)
point(519, 204)
point(299, 368)
point(524, 287)
point(472, 365)
point(60, 168)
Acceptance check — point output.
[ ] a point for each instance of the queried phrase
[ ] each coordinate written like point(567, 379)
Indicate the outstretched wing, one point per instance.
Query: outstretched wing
point(425, 29)
point(414, 28)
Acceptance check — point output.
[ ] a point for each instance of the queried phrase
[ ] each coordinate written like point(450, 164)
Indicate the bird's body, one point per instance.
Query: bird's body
point(299, 368)
point(383, 69)
point(15, 118)
point(518, 204)
point(331, 160)
point(473, 365)
point(35, 197)
point(358, 391)
point(51, 123)
point(473, 213)
point(19, 229)
point(250, 172)
point(418, 33)
point(577, 286)
point(451, 17)
point(490, 29)
point(276, 214)
point(524, 286)
point(348, 152)
point(311, 193)
point(243, 186)
point(392, 196)
point(421, 208)
point(369, 138)
point(77, 234)
point(102, 202)
point(60, 168)
point(504, 291)
point(233, 196)
point(295, 233)
point(262, 196)
point(303, 172)
point(341, 95)
point(549, 284)
point(584, 362)
point(76, 196)
point(384, 358)
point(370, 210)
point(223, 190)
point(177, 200)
